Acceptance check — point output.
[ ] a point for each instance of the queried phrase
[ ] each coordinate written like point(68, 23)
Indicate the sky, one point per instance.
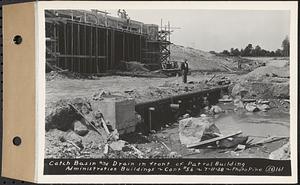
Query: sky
point(217, 30)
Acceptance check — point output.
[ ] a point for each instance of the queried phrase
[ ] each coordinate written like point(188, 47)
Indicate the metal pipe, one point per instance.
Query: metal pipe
point(151, 109)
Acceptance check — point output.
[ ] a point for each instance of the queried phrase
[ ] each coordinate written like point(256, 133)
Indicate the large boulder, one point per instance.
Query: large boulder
point(192, 130)
point(117, 145)
point(238, 103)
point(216, 109)
point(239, 89)
point(251, 107)
point(263, 107)
point(80, 128)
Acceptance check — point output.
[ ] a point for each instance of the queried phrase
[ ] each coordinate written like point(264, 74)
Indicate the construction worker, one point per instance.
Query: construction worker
point(184, 70)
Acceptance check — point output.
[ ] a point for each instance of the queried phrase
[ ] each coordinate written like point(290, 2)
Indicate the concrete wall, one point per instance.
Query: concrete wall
point(120, 113)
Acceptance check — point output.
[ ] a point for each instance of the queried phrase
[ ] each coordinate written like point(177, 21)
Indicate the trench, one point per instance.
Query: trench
point(158, 113)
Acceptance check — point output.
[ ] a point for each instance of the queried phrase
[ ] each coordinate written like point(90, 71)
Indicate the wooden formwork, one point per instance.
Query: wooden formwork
point(89, 47)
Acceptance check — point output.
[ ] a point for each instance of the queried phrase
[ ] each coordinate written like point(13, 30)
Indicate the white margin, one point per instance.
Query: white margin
point(229, 5)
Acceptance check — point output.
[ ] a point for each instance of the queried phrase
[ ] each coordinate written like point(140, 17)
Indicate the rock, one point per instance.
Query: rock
point(216, 109)
point(80, 128)
point(251, 107)
point(238, 89)
point(263, 102)
point(225, 97)
point(235, 141)
point(206, 109)
point(283, 153)
point(117, 145)
point(115, 135)
point(191, 130)
point(173, 155)
point(72, 136)
point(185, 116)
point(225, 100)
point(105, 149)
point(263, 107)
point(238, 103)
point(240, 147)
point(152, 131)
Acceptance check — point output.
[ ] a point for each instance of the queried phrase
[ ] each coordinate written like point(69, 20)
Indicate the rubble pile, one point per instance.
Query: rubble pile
point(65, 74)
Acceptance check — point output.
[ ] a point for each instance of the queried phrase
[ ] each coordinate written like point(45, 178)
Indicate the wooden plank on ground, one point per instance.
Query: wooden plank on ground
point(213, 140)
point(269, 140)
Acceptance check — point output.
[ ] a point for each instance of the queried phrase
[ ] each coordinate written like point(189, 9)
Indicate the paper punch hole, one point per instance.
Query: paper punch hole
point(18, 39)
point(17, 141)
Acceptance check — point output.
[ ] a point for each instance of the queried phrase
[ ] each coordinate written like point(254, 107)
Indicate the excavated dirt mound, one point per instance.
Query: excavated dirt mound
point(58, 75)
point(264, 82)
point(205, 61)
point(61, 116)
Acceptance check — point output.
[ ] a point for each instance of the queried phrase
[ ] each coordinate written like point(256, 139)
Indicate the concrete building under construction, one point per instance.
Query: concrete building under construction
point(91, 41)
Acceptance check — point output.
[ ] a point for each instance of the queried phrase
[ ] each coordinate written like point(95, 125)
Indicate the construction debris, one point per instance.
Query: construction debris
point(200, 143)
point(80, 129)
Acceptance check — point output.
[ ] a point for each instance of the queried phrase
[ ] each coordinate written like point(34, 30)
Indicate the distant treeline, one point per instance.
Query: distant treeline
point(257, 51)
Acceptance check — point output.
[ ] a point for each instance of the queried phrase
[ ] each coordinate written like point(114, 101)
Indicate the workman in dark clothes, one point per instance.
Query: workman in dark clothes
point(184, 70)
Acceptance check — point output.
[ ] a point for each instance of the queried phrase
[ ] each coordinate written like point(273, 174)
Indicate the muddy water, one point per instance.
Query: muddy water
point(257, 124)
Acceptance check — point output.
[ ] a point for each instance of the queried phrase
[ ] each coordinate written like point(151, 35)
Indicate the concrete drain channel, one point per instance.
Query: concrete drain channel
point(157, 113)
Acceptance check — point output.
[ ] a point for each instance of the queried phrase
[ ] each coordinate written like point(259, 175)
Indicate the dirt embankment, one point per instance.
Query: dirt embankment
point(264, 82)
point(205, 61)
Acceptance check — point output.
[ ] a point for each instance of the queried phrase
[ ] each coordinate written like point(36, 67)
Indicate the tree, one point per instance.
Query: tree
point(278, 53)
point(225, 52)
point(257, 51)
point(231, 51)
point(248, 50)
point(242, 53)
point(235, 52)
point(286, 47)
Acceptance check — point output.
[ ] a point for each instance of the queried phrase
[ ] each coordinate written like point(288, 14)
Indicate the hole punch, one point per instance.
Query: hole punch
point(18, 39)
point(17, 141)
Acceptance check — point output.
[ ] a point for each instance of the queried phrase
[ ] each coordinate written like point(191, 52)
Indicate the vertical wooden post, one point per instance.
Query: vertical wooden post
point(65, 44)
point(96, 49)
point(151, 110)
point(72, 44)
point(90, 67)
point(123, 46)
point(106, 49)
point(78, 45)
point(112, 47)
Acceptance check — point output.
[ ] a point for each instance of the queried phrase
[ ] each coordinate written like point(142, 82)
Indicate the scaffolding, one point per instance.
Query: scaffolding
point(158, 48)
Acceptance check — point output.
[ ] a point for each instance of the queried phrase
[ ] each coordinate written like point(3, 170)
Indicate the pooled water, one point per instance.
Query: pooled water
point(257, 124)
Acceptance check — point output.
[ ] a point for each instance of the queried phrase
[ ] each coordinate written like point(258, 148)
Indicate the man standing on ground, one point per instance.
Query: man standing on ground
point(184, 70)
